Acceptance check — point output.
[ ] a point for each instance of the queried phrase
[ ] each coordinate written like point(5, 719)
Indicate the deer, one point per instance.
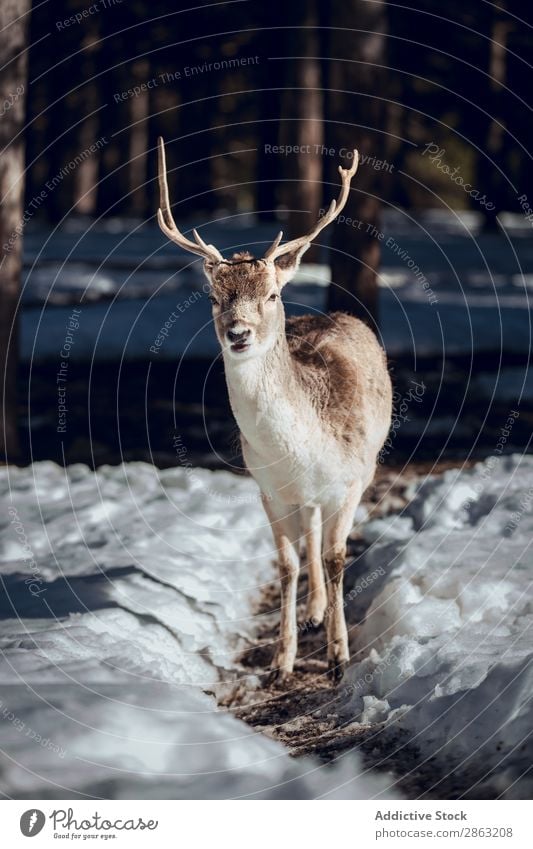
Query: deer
point(312, 399)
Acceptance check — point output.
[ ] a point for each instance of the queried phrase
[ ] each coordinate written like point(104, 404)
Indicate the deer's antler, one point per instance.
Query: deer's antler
point(167, 223)
point(336, 206)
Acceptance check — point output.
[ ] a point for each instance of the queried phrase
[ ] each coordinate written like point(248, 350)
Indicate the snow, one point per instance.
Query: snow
point(448, 640)
point(128, 328)
point(512, 385)
point(128, 281)
point(128, 594)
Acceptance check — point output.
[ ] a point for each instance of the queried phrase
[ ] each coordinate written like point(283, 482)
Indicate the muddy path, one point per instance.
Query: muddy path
point(303, 714)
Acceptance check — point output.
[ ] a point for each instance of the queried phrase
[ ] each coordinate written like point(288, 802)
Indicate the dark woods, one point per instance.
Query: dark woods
point(259, 103)
point(228, 84)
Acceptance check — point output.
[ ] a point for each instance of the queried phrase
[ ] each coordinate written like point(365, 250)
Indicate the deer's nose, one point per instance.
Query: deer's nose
point(238, 335)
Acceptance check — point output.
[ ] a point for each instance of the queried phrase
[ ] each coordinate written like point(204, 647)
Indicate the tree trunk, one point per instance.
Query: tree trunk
point(495, 138)
point(302, 123)
point(85, 177)
point(138, 144)
point(271, 82)
point(14, 15)
point(355, 118)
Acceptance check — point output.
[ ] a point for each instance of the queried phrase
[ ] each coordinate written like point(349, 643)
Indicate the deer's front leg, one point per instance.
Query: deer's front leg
point(311, 529)
point(286, 529)
point(337, 525)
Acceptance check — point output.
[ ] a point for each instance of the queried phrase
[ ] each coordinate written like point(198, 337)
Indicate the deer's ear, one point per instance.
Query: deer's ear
point(287, 264)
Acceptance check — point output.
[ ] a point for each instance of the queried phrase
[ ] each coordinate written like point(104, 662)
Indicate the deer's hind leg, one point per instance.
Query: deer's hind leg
point(337, 526)
point(285, 522)
point(311, 531)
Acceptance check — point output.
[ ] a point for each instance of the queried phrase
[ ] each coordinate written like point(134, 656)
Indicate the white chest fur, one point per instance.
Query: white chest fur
point(285, 446)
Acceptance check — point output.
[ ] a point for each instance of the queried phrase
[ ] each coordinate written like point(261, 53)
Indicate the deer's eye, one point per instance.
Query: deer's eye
point(213, 300)
point(272, 297)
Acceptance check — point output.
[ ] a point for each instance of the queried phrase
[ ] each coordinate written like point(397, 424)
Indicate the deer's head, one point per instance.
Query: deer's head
point(245, 291)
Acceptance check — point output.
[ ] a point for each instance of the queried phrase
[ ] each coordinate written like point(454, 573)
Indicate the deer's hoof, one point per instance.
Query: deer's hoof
point(315, 611)
point(312, 622)
point(336, 670)
point(278, 678)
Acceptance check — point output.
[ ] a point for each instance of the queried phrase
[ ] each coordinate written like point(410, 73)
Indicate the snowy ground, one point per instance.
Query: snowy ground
point(129, 281)
point(126, 595)
point(448, 640)
point(129, 592)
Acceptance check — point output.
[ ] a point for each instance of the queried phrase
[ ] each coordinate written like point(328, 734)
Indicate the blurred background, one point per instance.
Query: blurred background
point(106, 342)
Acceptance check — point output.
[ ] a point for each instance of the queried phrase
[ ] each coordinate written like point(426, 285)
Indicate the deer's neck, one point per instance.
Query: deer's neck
point(264, 393)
